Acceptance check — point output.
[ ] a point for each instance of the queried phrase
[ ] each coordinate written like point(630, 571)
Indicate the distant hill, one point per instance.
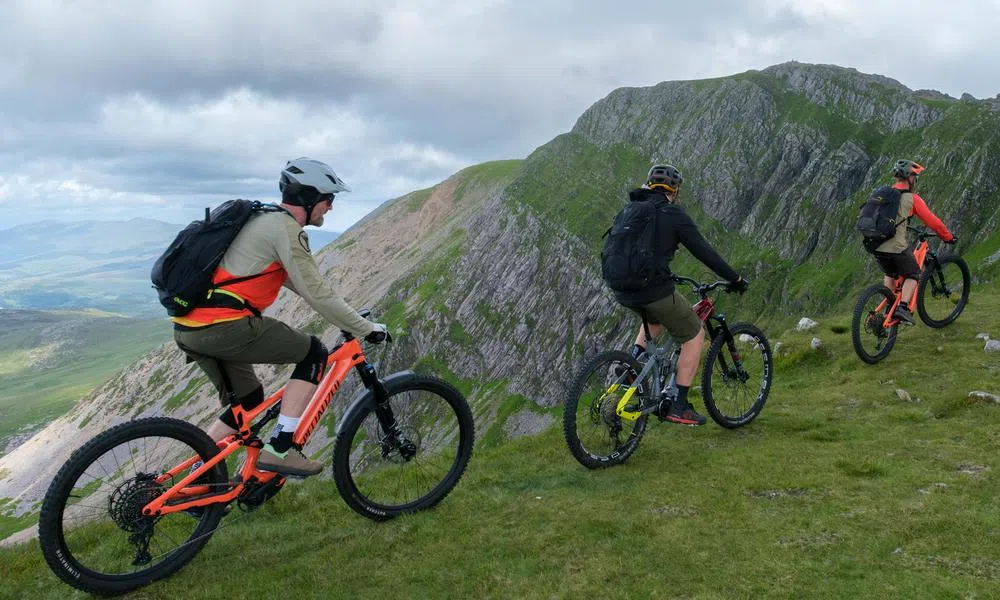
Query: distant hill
point(102, 265)
point(50, 359)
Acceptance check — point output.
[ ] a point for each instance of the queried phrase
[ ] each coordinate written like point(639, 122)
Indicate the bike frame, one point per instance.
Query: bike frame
point(920, 252)
point(183, 495)
point(705, 309)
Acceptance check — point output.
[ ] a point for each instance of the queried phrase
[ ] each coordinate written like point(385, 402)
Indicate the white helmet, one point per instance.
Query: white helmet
point(303, 173)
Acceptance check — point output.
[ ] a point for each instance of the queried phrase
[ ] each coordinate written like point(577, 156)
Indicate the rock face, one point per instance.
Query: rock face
point(491, 278)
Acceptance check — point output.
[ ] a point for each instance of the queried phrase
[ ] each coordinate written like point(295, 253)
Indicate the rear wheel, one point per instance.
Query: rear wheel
point(413, 463)
point(943, 291)
point(736, 378)
point(91, 527)
point(596, 435)
point(872, 340)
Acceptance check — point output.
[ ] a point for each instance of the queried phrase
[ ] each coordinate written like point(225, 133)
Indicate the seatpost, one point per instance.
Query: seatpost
point(645, 327)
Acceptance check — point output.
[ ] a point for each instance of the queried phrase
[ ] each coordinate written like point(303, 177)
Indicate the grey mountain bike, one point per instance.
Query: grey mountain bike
point(605, 413)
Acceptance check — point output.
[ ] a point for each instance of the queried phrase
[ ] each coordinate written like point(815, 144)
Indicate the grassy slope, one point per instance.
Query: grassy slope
point(839, 489)
point(101, 346)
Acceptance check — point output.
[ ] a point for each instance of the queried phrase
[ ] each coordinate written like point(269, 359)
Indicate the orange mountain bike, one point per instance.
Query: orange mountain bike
point(137, 502)
point(942, 293)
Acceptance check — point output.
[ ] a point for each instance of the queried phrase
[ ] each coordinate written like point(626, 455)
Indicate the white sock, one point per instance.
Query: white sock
point(288, 423)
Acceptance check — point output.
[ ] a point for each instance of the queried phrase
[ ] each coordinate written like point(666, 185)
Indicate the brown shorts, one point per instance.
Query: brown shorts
point(675, 314)
point(238, 345)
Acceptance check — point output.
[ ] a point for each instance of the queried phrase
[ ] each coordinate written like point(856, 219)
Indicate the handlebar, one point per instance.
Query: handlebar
point(922, 233)
point(702, 289)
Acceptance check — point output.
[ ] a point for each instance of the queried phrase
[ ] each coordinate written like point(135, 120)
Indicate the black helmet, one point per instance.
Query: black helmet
point(664, 176)
point(903, 169)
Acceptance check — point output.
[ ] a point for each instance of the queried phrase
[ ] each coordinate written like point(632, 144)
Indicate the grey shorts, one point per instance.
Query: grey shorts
point(675, 314)
point(237, 345)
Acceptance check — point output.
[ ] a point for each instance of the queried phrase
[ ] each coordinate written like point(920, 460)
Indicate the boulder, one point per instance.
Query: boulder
point(805, 324)
point(984, 396)
point(816, 343)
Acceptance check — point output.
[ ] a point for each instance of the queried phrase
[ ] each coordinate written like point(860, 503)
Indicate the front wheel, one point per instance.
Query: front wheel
point(596, 434)
point(91, 527)
point(407, 455)
point(871, 338)
point(736, 378)
point(943, 291)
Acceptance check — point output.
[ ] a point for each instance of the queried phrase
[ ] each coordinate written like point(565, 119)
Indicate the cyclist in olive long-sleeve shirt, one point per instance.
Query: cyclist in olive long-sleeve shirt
point(227, 334)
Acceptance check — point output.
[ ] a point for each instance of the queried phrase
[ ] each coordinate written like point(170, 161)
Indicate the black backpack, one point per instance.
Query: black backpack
point(877, 219)
point(629, 261)
point(183, 274)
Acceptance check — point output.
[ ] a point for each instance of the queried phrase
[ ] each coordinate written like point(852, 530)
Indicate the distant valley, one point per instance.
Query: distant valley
point(100, 265)
point(50, 359)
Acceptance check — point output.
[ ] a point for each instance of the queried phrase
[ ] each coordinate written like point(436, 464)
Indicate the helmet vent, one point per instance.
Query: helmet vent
point(295, 170)
point(332, 180)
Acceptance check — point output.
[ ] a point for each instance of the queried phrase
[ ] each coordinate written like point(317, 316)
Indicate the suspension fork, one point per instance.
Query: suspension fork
point(723, 329)
point(383, 412)
point(938, 276)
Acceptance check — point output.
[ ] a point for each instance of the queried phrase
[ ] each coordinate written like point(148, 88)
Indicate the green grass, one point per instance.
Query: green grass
point(181, 398)
point(837, 490)
point(98, 346)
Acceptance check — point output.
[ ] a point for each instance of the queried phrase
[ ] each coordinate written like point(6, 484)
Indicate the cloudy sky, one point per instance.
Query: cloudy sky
point(111, 111)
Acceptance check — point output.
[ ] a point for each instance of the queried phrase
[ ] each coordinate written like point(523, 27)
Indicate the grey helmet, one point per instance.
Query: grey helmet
point(308, 173)
point(904, 169)
point(664, 176)
point(306, 182)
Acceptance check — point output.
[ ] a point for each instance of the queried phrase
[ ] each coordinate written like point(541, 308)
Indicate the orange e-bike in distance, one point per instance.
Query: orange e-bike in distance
point(941, 295)
point(138, 501)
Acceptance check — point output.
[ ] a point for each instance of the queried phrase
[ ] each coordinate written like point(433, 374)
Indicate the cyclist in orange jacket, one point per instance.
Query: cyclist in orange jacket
point(895, 255)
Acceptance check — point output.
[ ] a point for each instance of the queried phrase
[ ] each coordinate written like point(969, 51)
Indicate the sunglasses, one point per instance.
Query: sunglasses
point(325, 198)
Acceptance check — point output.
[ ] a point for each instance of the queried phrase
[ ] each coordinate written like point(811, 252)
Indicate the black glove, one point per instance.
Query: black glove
point(739, 286)
point(953, 240)
point(379, 334)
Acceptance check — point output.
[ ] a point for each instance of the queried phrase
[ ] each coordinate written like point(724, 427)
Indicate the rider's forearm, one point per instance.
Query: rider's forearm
point(305, 280)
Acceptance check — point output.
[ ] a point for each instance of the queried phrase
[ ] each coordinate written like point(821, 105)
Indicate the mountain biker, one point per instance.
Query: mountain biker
point(895, 256)
point(227, 334)
point(664, 307)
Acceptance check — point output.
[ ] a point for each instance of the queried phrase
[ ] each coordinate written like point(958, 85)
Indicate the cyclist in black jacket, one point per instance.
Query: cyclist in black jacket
point(663, 306)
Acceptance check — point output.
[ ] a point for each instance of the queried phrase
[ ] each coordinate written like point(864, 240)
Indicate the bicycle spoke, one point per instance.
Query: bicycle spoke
point(871, 338)
point(414, 464)
point(943, 291)
point(737, 376)
point(596, 434)
point(384, 474)
point(114, 553)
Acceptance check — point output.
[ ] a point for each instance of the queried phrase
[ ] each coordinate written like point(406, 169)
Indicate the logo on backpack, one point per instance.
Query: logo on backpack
point(629, 260)
point(182, 275)
point(877, 219)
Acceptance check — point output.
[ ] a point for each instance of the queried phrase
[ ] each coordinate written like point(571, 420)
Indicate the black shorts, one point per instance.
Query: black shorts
point(896, 265)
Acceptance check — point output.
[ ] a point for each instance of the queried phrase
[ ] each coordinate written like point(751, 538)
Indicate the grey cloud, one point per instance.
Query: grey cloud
point(460, 82)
